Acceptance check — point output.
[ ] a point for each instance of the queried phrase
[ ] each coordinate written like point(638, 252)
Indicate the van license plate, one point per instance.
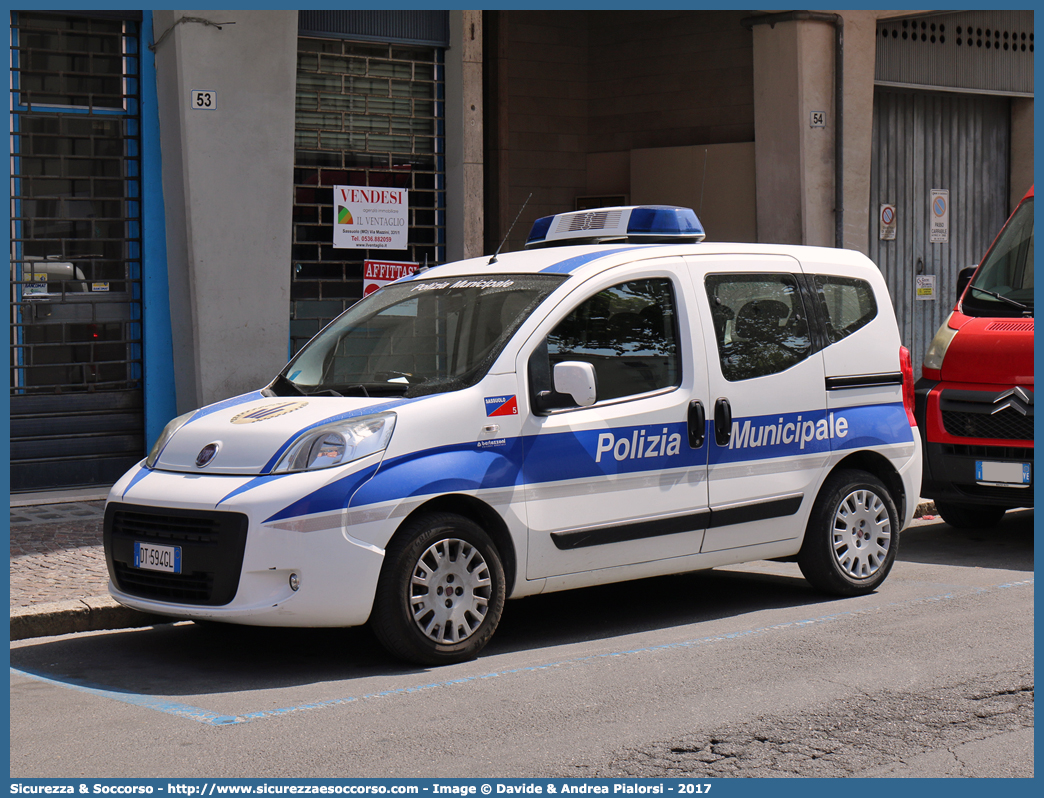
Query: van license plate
point(157, 558)
point(1018, 474)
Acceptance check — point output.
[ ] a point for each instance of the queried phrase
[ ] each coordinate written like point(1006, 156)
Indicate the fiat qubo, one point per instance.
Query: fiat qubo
point(617, 401)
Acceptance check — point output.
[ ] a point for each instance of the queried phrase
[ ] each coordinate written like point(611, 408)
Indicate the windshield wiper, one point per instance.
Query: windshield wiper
point(1013, 302)
point(281, 386)
point(369, 389)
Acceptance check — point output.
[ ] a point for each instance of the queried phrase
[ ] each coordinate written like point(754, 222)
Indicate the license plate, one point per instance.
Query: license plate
point(157, 558)
point(1017, 474)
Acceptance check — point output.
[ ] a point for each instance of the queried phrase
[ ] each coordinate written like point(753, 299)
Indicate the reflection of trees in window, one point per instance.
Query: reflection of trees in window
point(634, 318)
point(848, 304)
point(759, 323)
point(627, 333)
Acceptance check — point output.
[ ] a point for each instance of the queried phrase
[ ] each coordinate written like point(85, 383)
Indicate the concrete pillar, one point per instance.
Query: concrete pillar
point(464, 137)
point(228, 192)
point(778, 159)
point(1021, 148)
point(794, 74)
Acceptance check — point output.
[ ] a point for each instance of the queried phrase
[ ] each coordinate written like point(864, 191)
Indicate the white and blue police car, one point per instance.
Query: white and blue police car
point(619, 400)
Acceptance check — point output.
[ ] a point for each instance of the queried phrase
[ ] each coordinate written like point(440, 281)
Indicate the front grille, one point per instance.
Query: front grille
point(167, 527)
point(212, 546)
point(1016, 497)
point(194, 588)
point(1005, 425)
point(1024, 454)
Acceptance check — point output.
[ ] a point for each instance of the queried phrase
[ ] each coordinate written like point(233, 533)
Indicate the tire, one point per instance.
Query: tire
point(852, 535)
point(970, 516)
point(452, 558)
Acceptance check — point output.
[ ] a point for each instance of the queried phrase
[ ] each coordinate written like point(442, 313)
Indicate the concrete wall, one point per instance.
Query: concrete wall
point(668, 79)
point(716, 180)
point(227, 187)
point(465, 223)
point(576, 92)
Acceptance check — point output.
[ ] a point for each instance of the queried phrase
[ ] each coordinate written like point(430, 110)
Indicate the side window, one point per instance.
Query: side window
point(847, 304)
point(760, 323)
point(627, 332)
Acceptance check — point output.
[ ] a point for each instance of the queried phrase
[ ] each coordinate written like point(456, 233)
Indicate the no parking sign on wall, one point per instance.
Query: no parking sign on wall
point(939, 213)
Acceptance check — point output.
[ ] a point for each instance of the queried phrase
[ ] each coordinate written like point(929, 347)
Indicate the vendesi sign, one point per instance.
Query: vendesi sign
point(939, 216)
point(370, 218)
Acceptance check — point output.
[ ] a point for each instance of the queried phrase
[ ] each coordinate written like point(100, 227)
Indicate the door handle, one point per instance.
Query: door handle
point(697, 423)
point(722, 421)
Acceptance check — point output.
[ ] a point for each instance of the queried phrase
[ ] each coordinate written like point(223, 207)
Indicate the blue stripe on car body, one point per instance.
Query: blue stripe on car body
point(540, 459)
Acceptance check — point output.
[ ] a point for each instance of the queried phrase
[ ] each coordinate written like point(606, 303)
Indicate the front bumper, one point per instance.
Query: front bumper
point(236, 559)
point(950, 460)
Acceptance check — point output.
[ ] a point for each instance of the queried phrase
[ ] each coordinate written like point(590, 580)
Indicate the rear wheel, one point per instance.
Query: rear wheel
point(852, 536)
point(441, 591)
point(969, 516)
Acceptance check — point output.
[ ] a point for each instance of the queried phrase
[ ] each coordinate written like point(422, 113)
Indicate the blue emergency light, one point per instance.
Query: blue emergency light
point(637, 224)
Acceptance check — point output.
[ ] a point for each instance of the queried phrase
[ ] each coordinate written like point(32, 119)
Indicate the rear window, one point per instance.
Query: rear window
point(847, 304)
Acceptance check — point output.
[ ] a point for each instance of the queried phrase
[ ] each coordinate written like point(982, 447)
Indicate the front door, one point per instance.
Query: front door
point(621, 481)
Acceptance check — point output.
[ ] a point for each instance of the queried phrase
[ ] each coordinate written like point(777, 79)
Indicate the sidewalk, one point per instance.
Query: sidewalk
point(58, 575)
point(59, 581)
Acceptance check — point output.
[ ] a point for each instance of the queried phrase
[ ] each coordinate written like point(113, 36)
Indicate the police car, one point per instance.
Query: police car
point(617, 401)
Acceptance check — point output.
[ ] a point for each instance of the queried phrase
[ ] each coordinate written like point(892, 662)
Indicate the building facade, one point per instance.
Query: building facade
point(172, 193)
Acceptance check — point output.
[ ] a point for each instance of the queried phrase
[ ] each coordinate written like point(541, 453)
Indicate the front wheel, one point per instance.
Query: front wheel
point(441, 591)
point(969, 516)
point(852, 535)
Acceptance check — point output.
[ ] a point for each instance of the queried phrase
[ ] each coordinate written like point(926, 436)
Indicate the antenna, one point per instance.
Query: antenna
point(704, 183)
point(494, 258)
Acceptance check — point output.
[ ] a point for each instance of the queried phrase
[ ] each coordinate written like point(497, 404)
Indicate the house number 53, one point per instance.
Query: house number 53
point(204, 100)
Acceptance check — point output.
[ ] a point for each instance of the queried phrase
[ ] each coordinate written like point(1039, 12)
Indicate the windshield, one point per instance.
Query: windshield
point(416, 337)
point(1003, 285)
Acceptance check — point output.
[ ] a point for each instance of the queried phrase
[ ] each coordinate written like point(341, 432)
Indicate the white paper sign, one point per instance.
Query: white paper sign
point(370, 218)
point(925, 286)
point(939, 216)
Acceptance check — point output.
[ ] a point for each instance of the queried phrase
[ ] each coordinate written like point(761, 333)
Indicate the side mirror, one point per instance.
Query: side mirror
point(578, 380)
point(963, 278)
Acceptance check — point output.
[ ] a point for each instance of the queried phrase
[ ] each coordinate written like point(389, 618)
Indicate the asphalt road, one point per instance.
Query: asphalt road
point(736, 672)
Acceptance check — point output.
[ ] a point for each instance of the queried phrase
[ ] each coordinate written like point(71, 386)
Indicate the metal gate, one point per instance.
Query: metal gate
point(76, 370)
point(368, 114)
point(924, 141)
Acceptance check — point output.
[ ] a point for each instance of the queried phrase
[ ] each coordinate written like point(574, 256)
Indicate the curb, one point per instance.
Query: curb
point(101, 613)
point(95, 614)
point(925, 508)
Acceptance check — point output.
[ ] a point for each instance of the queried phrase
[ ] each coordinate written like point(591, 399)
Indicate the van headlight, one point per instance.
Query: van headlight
point(165, 436)
point(338, 443)
point(933, 358)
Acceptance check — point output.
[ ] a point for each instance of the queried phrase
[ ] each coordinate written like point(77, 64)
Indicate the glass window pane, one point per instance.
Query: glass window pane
point(759, 323)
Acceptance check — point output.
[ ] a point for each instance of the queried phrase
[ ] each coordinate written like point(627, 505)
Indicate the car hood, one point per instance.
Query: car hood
point(252, 432)
point(986, 347)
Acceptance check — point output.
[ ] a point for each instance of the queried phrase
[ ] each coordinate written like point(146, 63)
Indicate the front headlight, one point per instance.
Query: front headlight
point(933, 358)
point(165, 436)
point(338, 443)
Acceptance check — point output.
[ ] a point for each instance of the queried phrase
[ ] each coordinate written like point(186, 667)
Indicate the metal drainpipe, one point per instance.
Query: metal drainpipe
point(839, 98)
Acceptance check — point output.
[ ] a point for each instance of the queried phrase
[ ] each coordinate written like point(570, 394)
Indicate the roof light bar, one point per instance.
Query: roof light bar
point(638, 224)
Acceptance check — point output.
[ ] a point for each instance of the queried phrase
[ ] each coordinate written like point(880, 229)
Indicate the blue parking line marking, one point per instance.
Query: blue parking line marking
point(210, 718)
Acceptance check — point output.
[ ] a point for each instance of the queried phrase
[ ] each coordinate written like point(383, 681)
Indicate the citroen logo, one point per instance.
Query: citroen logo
point(1018, 399)
point(206, 454)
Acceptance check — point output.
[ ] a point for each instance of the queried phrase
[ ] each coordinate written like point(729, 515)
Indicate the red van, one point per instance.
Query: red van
point(974, 402)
